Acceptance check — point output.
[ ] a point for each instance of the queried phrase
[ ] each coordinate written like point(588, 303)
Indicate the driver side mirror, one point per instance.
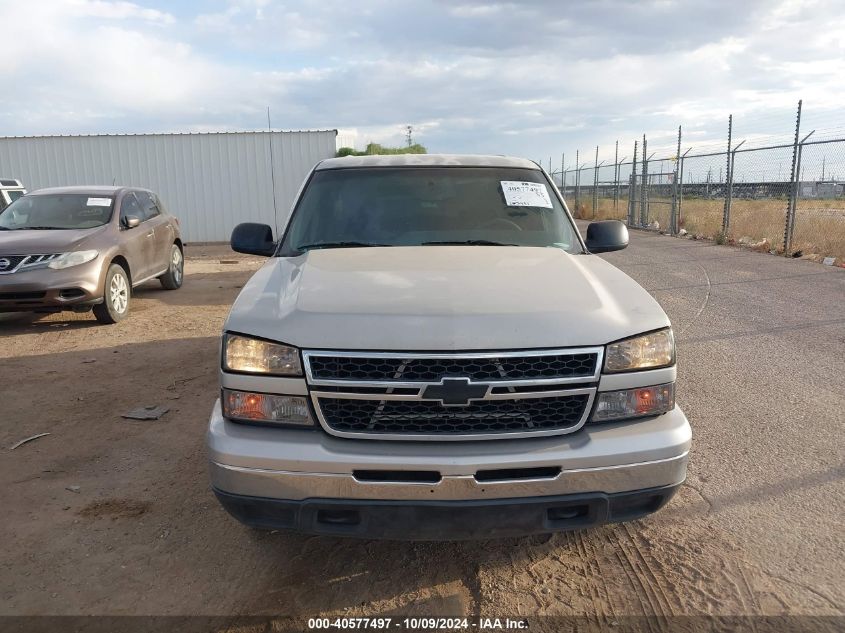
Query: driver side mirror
point(131, 221)
point(253, 239)
point(606, 236)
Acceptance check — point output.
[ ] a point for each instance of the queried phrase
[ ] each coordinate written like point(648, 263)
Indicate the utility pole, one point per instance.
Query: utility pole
point(272, 172)
point(408, 131)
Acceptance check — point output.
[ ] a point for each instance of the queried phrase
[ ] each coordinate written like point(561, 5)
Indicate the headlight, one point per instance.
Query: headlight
point(262, 407)
point(634, 403)
point(74, 258)
point(648, 351)
point(254, 356)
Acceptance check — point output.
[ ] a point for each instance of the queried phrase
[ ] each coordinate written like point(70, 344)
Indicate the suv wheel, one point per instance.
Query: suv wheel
point(172, 279)
point(115, 305)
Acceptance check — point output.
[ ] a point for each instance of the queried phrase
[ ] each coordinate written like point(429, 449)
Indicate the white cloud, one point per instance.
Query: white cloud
point(118, 11)
point(523, 78)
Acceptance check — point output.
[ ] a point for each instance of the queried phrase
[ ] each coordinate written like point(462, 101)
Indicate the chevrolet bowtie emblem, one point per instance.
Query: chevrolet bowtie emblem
point(455, 391)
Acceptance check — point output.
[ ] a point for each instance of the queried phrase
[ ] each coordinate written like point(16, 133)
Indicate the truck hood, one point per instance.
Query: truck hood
point(443, 298)
point(25, 242)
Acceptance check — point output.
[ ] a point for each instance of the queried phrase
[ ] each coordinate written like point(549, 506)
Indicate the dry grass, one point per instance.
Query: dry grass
point(819, 224)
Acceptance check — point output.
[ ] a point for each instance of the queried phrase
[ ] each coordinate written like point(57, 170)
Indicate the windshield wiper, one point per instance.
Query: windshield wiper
point(467, 243)
point(308, 247)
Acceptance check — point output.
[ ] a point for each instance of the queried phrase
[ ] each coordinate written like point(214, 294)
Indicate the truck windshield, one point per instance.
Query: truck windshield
point(420, 206)
point(57, 211)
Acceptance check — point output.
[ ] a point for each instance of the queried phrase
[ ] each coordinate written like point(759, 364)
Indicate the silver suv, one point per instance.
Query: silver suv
point(432, 351)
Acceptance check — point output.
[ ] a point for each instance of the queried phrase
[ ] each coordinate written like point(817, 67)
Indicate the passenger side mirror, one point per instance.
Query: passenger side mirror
point(606, 235)
point(253, 239)
point(131, 221)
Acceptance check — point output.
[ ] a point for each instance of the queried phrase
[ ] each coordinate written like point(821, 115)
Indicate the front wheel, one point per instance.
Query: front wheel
point(172, 279)
point(116, 295)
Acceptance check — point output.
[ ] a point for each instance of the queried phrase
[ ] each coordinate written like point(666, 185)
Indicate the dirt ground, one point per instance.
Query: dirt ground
point(113, 516)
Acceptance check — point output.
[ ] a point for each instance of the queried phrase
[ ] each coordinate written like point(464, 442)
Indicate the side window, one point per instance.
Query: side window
point(130, 206)
point(148, 205)
point(159, 204)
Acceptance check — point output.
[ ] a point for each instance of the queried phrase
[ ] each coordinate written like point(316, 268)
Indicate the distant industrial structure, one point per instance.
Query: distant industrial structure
point(211, 181)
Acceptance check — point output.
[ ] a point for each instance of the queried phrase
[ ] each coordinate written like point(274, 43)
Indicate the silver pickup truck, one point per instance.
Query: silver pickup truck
point(432, 351)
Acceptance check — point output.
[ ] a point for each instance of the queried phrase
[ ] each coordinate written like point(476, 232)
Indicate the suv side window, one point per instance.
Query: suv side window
point(148, 205)
point(129, 206)
point(159, 204)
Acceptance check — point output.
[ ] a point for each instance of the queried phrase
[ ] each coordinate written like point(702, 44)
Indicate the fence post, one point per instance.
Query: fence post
point(596, 183)
point(673, 220)
point(681, 185)
point(563, 175)
point(794, 179)
point(577, 182)
point(726, 213)
point(644, 186)
point(616, 180)
point(632, 186)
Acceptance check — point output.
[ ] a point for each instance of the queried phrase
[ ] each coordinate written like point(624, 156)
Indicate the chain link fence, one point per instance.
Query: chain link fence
point(787, 198)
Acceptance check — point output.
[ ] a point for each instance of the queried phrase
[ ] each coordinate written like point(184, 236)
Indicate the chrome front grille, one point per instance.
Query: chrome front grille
point(460, 396)
point(432, 369)
point(14, 263)
point(431, 417)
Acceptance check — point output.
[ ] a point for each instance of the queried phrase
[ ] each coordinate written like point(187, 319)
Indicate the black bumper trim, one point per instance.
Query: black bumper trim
point(444, 520)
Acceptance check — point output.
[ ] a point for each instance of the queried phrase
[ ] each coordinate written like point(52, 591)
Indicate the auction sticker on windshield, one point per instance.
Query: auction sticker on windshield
point(99, 202)
point(526, 194)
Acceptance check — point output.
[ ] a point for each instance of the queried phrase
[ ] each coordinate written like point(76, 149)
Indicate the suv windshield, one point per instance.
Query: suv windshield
point(409, 206)
point(57, 211)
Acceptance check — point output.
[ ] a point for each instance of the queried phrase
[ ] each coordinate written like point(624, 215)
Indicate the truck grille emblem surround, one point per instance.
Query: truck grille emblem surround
point(455, 392)
point(441, 396)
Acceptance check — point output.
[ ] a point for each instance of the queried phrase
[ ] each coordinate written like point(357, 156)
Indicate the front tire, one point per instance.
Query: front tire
point(172, 279)
point(116, 294)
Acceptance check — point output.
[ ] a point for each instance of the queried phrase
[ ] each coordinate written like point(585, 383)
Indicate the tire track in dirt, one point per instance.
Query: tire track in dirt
point(657, 585)
point(600, 593)
point(641, 589)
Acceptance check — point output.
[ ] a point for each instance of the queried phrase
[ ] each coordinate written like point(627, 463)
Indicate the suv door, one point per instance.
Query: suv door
point(162, 232)
point(137, 242)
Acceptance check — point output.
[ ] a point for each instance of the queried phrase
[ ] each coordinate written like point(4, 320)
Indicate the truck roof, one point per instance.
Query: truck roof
point(426, 160)
point(10, 183)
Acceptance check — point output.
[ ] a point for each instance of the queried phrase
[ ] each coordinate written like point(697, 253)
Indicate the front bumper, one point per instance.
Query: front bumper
point(47, 290)
point(445, 520)
point(273, 468)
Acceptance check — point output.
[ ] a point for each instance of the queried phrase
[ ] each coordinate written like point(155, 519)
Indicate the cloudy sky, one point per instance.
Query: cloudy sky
point(526, 78)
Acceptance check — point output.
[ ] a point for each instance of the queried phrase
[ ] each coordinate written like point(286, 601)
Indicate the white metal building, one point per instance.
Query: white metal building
point(211, 181)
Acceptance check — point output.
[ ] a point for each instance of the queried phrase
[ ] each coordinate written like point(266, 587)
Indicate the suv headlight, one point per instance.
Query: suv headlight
point(634, 403)
point(244, 406)
point(74, 258)
point(256, 356)
point(648, 351)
